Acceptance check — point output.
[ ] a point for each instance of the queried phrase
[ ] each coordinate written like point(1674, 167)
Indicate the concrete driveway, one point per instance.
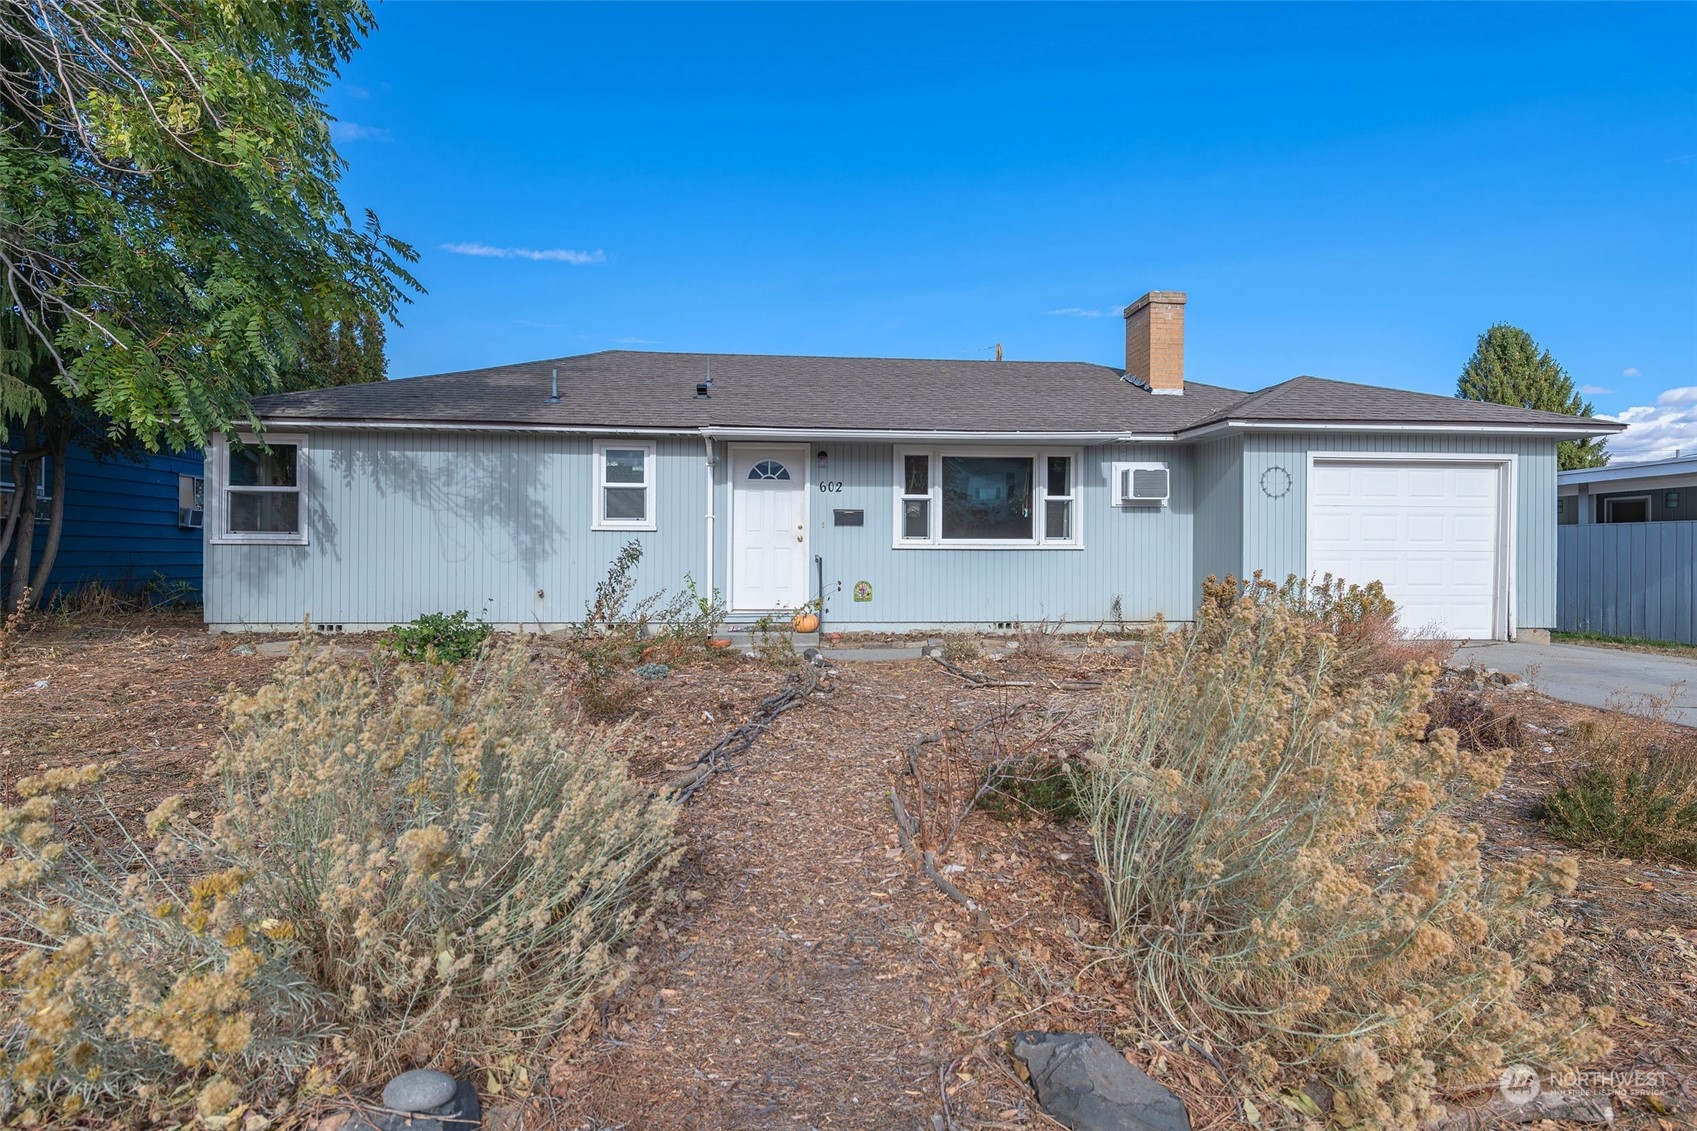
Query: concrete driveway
point(1592, 676)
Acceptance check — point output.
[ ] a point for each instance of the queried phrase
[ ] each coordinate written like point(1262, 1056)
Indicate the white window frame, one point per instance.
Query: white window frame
point(218, 490)
point(1609, 508)
point(43, 478)
point(598, 501)
point(1039, 487)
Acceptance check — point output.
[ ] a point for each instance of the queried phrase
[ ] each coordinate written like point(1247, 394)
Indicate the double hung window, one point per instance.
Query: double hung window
point(624, 485)
point(261, 489)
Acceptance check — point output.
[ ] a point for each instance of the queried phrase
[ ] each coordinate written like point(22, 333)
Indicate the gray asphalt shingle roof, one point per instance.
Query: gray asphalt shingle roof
point(1317, 398)
point(636, 389)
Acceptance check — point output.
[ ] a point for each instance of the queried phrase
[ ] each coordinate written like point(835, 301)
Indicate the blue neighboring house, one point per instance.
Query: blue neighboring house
point(130, 524)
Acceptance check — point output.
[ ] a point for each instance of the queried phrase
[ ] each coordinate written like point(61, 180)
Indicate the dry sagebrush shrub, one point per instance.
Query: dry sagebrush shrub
point(136, 975)
point(1368, 638)
point(1633, 791)
point(1284, 869)
point(418, 859)
point(459, 872)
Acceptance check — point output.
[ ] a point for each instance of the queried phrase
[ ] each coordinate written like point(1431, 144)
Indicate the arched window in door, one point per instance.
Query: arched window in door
point(769, 469)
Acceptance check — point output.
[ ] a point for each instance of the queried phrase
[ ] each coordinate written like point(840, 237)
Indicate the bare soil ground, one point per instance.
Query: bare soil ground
point(803, 975)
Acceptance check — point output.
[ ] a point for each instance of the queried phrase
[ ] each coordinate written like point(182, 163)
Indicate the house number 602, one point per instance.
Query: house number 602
point(830, 486)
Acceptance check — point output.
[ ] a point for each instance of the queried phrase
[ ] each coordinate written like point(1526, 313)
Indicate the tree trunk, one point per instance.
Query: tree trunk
point(58, 447)
point(23, 550)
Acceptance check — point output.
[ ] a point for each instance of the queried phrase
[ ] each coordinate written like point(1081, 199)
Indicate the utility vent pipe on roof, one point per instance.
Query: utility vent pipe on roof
point(554, 388)
point(703, 388)
point(1154, 341)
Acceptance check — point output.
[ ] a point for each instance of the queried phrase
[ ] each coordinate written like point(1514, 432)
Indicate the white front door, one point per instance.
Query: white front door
point(1432, 532)
point(768, 527)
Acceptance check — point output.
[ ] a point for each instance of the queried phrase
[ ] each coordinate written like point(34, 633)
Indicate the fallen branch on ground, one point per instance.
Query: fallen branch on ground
point(799, 686)
point(979, 679)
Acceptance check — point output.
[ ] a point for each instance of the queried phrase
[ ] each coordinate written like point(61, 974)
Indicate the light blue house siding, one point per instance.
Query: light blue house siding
point(1219, 510)
point(1142, 555)
point(498, 524)
point(1275, 529)
point(402, 523)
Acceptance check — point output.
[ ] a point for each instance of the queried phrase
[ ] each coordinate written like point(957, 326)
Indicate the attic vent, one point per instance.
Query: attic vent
point(1141, 484)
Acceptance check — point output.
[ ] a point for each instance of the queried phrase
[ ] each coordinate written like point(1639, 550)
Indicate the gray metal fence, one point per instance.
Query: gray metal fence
point(1636, 579)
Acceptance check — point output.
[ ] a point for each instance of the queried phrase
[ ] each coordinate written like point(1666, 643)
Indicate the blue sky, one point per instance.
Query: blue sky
point(1350, 191)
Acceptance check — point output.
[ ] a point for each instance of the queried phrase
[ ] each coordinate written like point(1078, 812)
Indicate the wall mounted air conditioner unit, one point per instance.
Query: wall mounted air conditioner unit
point(190, 518)
point(1141, 484)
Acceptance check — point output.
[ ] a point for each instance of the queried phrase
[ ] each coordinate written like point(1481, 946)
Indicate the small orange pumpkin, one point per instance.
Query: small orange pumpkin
point(805, 622)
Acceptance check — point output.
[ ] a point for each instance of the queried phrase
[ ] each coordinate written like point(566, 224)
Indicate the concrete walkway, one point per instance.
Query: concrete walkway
point(1590, 676)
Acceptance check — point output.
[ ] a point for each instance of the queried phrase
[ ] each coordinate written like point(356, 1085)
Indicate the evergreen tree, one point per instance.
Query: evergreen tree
point(346, 351)
point(1509, 368)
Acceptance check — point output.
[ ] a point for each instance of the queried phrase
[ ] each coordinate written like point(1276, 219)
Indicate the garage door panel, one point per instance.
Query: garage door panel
point(1429, 532)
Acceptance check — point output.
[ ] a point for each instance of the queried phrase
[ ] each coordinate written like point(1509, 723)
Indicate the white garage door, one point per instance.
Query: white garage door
point(1429, 531)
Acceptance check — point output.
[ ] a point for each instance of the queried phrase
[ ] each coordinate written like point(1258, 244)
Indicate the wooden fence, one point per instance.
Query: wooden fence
point(1636, 579)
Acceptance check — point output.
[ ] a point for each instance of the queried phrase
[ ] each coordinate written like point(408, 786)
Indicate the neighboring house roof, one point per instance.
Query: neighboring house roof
point(1678, 467)
point(618, 389)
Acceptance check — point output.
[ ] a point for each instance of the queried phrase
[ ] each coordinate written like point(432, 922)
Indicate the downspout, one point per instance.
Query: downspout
point(708, 440)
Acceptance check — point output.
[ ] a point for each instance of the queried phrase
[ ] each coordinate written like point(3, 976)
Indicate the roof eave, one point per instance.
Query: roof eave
point(369, 425)
point(1552, 431)
point(935, 435)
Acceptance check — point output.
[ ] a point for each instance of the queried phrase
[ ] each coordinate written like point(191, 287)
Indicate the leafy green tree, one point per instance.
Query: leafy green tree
point(170, 225)
point(1508, 367)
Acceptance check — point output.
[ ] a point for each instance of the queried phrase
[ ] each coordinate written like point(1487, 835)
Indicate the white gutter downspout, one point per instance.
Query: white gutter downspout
point(708, 440)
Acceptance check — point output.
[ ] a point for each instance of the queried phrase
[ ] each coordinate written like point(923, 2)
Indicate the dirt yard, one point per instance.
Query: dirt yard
point(804, 974)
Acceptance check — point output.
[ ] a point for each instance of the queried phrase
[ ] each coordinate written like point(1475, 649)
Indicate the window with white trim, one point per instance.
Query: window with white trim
point(43, 473)
point(970, 497)
point(261, 490)
point(624, 485)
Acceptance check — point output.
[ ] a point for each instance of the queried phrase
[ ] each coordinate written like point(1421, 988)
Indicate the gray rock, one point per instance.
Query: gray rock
point(244, 650)
point(461, 1111)
point(418, 1090)
point(1083, 1082)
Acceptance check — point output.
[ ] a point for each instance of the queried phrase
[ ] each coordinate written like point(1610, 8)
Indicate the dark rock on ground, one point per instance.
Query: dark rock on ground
point(1083, 1081)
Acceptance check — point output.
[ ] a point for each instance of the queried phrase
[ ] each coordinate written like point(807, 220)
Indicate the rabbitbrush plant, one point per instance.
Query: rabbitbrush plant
point(1285, 869)
point(409, 864)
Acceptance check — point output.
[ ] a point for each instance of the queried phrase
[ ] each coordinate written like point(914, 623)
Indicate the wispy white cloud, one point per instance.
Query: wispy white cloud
point(536, 325)
point(360, 92)
point(1629, 371)
point(1083, 312)
point(1657, 431)
point(354, 131)
point(544, 255)
point(628, 341)
point(1595, 390)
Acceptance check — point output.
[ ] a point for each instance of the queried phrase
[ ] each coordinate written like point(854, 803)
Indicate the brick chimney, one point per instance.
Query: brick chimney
point(1154, 341)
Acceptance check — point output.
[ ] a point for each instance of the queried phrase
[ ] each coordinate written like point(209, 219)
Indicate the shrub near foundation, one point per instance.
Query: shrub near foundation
point(410, 866)
point(1285, 869)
